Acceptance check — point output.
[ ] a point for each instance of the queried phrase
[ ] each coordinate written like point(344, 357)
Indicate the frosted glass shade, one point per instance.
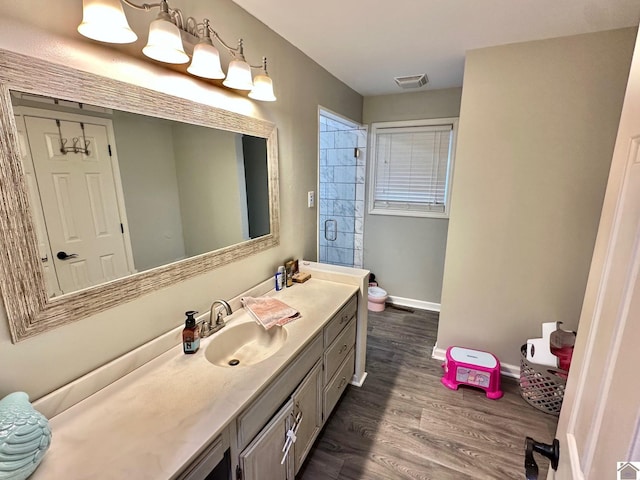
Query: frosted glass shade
point(206, 61)
point(104, 20)
point(165, 44)
point(262, 89)
point(238, 76)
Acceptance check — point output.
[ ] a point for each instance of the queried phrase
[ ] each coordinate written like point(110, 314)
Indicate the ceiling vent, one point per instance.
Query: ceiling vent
point(411, 81)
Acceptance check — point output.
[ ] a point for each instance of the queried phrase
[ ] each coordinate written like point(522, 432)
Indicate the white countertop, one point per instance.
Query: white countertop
point(151, 423)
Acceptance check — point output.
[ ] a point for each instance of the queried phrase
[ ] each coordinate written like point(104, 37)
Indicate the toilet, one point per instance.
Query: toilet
point(377, 299)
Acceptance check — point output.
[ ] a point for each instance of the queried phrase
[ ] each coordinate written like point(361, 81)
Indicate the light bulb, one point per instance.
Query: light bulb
point(104, 21)
point(165, 44)
point(239, 75)
point(206, 61)
point(262, 89)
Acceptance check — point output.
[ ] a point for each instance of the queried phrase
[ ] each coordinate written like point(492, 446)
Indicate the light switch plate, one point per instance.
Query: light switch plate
point(311, 199)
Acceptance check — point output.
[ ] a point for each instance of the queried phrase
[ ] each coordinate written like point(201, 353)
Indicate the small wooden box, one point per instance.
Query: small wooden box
point(301, 277)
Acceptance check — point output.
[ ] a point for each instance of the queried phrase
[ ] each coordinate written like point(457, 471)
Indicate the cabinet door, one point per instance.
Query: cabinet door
point(261, 459)
point(307, 408)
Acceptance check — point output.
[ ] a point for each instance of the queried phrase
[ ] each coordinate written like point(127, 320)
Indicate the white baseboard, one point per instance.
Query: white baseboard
point(409, 302)
point(358, 382)
point(438, 353)
point(506, 369)
point(510, 370)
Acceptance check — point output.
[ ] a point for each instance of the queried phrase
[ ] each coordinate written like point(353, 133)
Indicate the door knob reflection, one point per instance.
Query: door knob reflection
point(65, 256)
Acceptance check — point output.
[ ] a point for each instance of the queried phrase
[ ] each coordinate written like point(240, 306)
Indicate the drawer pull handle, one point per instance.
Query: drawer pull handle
point(344, 319)
point(342, 382)
point(343, 349)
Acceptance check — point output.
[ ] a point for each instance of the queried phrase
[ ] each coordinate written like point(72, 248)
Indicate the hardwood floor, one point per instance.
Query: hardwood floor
point(404, 424)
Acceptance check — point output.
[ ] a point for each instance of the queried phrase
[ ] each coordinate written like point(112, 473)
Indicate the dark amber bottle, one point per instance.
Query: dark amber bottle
point(190, 334)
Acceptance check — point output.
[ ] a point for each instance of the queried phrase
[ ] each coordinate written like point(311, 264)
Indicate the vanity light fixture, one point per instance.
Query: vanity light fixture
point(263, 85)
point(105, 21)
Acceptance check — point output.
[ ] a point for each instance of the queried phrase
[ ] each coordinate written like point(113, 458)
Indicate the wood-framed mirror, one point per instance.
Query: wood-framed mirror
point(31, 306)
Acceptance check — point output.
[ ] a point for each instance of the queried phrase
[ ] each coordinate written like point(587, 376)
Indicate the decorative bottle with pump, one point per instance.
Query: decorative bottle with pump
point(190, 334)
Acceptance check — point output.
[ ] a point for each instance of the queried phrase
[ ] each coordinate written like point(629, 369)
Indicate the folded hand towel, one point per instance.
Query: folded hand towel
point(269, 312)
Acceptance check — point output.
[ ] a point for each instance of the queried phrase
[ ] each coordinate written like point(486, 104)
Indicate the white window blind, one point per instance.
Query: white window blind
point(411, 169)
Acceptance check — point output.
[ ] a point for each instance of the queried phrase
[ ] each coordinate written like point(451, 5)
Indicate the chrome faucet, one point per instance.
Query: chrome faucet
point(209, 326)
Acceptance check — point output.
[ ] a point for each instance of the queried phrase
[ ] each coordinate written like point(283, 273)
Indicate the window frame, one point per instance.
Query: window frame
point(406, 124)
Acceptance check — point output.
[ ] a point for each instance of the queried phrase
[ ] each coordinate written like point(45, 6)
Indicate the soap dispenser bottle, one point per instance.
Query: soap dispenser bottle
point(190, 334)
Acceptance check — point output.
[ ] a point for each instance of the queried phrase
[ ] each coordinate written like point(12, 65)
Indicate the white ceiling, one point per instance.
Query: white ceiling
point(367, 43)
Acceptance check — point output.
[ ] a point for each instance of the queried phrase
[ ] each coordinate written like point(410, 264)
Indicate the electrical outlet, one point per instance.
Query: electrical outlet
point(311, 199)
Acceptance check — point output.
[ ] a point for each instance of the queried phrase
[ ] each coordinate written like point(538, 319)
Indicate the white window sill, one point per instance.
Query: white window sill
point(408, 213)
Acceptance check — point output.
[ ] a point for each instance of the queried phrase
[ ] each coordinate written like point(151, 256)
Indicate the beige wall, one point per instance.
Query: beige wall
point(47, 361)
point(407, 253)
point(208, 184)
point(144, 147)
point(181, 187)
point(537, 127)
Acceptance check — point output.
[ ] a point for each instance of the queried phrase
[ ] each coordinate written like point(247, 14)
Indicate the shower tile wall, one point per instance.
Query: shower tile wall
point(342, 177)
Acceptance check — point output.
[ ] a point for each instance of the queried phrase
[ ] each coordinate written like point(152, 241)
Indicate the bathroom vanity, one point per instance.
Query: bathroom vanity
point(154, 412)
point(181, 416)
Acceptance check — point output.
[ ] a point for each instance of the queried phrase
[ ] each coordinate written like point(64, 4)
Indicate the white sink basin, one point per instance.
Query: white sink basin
point(244, 344)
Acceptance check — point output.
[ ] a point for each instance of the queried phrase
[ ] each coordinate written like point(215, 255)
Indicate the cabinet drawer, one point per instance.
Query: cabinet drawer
point(251, 421)
point(334, 390)
point(339, 350)
point(339, 321)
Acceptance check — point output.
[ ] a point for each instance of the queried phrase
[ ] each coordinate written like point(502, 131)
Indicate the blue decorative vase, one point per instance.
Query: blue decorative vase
point(25, 437)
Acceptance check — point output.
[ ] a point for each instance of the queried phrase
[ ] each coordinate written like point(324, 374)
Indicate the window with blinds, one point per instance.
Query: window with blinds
point(411, 167)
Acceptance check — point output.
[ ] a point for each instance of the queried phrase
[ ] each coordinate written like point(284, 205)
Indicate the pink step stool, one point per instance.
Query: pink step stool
point(464, 366)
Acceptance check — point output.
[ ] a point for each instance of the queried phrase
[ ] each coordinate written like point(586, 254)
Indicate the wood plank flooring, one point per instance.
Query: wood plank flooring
point(404, 424)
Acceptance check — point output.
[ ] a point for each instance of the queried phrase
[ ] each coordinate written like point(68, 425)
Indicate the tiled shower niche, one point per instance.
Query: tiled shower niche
point(341, 199)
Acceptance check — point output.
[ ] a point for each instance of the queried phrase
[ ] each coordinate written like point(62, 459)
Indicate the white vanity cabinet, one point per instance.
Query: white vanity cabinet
point(307, 414)
point(307, 391)
point(265, 457)
point(339, 355)
point(275, 455)
point(270, 456)
point(218, 423)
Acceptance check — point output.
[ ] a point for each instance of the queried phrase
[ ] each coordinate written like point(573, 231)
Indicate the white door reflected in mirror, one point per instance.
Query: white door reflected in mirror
point(80, 205)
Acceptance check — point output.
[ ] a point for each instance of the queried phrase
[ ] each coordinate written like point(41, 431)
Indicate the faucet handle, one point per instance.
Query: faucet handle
point(219, 315)
point(204, 327)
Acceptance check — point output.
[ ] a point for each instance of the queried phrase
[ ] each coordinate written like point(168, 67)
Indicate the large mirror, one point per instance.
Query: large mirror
point(111, 191)
point(114, 193)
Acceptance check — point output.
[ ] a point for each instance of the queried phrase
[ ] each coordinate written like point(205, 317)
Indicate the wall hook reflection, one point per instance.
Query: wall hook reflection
point(75, 148)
